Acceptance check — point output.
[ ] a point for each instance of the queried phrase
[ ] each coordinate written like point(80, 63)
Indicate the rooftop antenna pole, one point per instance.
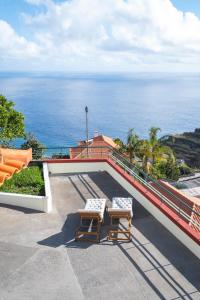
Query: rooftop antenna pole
point(86, 122)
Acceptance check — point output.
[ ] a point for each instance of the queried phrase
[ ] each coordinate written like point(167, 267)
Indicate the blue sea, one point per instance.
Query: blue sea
point(54, 103)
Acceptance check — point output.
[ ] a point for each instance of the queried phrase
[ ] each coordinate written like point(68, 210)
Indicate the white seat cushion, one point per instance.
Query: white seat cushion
point(122, 203)
point(96, 205)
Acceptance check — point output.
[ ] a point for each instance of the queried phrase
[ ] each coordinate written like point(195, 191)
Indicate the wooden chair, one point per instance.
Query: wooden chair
point(121, 209)
point(91, 219)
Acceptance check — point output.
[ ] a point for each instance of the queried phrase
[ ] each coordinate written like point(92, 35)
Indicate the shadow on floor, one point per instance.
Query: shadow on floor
point(157, 237)
point(171, 248)
point(111, 188)
point(108, 186)
point(191, 272)
point(21, 209)
point(161, 269)
point(67, 234)
point(66, 237)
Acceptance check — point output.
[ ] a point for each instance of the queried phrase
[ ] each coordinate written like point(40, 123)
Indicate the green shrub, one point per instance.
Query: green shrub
point(32, 142)
point(185, 169)
point(28, 181)
point(165, 170)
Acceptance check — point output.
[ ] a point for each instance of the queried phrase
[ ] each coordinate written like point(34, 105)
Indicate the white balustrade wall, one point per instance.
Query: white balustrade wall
point(41, 203)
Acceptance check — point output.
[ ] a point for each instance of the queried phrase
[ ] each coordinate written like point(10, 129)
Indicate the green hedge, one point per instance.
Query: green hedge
point(29, 181)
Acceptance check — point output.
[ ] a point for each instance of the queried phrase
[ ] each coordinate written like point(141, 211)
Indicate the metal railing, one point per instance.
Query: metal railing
point(167, 197)
point(79, 152)
point(76, 152)
point(147, 183)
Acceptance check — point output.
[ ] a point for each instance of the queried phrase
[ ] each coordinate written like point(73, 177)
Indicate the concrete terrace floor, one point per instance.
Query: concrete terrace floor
point(40, 260)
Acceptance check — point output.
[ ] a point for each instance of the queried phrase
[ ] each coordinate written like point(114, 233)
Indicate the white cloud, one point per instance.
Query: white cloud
point(39, 2)
point(108, 34)
point(14, 45)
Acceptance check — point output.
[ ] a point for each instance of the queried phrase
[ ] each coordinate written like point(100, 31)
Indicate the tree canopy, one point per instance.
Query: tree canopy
point(11, 122)
point(32, 142)
point(132, 143)
point(150, 155)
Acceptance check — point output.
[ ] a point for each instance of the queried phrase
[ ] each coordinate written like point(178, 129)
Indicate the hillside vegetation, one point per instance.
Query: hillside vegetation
point(186, 146)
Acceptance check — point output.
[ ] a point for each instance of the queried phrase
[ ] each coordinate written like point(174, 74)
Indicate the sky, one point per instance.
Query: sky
point(100, 35)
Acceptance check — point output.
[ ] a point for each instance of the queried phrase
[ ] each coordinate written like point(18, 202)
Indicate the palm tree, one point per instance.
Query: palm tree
point(159, 151)
point(154, 143)
point(120, 144)
point(144, 152)
point(151, 151)
point(132, 144)
point(153, 132)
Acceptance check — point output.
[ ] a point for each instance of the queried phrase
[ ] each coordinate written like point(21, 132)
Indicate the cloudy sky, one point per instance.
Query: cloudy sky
point(100, 35)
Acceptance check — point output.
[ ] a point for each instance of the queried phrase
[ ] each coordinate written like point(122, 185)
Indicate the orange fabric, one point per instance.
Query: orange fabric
point(8, 169)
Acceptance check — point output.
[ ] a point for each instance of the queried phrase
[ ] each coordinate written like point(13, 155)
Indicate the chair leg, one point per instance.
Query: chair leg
point(117, 231)
point(84, 235)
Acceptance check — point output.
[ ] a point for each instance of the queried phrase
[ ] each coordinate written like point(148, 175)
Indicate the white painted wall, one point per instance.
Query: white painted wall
point(48, 202)
point(27, 201)
point(61, 168)
point(82, 167)
point(41, 203)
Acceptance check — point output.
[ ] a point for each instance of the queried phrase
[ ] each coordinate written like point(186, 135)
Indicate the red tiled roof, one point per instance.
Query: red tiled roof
point(98, 141)
point(12, 161)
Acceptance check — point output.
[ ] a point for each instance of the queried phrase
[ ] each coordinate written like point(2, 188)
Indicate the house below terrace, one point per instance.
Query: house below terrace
point(98, 147)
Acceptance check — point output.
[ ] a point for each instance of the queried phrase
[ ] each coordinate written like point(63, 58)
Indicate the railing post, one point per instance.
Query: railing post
point(180, 208)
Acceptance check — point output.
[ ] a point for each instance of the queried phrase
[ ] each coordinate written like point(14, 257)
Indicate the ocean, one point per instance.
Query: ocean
point(54, 103)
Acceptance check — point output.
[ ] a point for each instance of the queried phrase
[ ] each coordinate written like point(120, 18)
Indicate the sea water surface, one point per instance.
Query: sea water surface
point(54, 103)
